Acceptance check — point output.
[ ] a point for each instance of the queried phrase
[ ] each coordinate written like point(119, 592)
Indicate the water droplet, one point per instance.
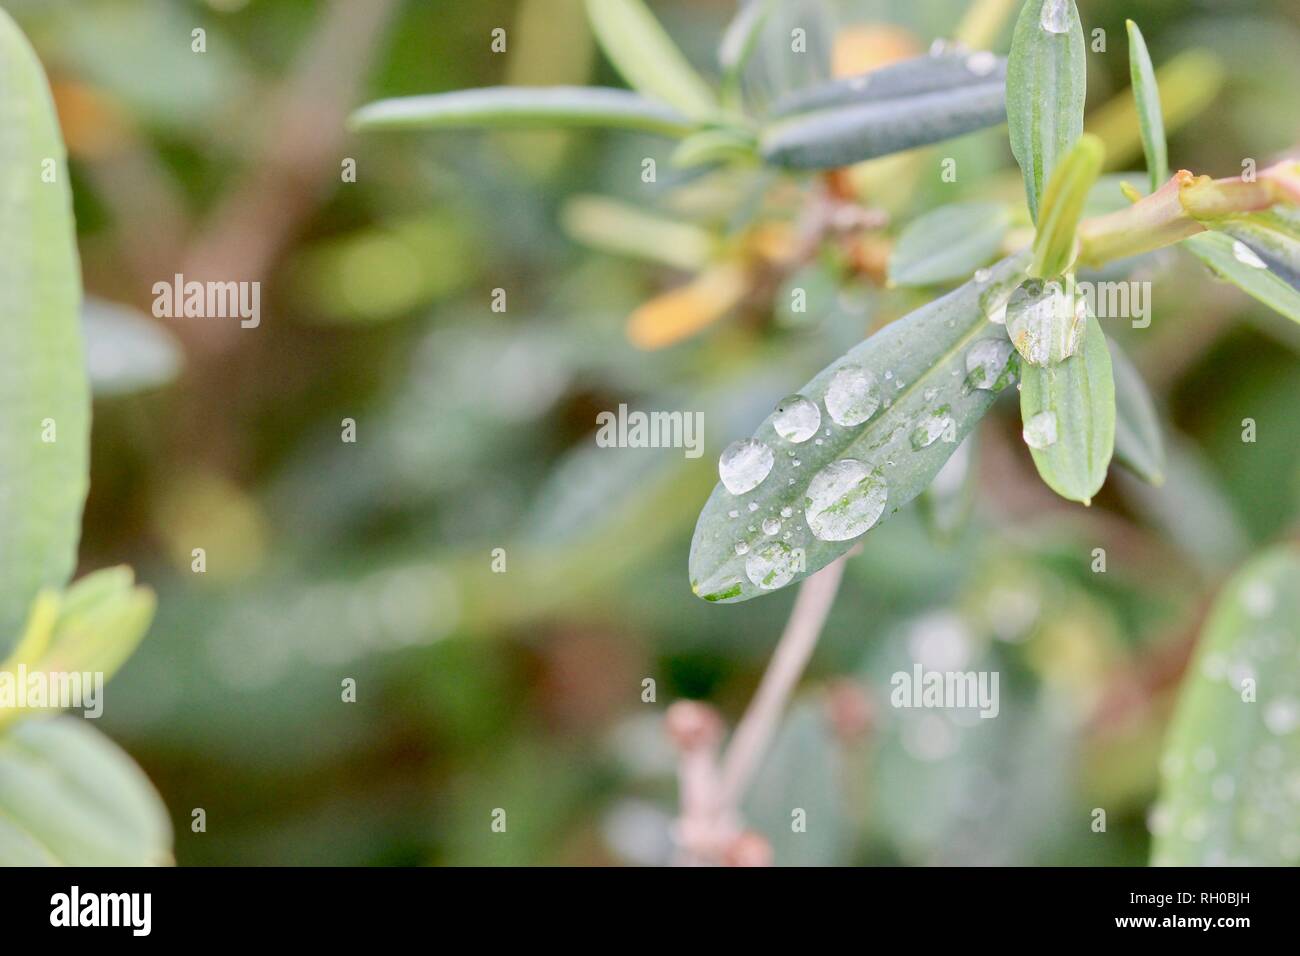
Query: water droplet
point(983, 275)
point(787, 511)
point(986, 364)
point(1040, 430)
point(929, 428)
point(982, 63)
point(1282, 715)
point(844, 500)
point(772, 566)
point(1056, 16)
point(771, 526)
point(744, 465)
point(1246, 256)
point(742, 547)
point(753, 506)
point(1046, 321)
point(852, 396)
point(733, 514)
point(797, 419)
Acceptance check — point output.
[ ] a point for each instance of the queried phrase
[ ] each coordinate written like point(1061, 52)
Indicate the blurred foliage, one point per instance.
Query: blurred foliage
point(373, 560)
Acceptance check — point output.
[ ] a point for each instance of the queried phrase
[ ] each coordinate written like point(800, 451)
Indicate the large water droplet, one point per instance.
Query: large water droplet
point(1046, 321)
point(852, 397)
point(844, 500)
point(1056, 16)
point(1246, 256)
point(1040, 430)
point(772, 566)
point(929, 428)
point(744, 465)
point(986, 364)
point(797, 419)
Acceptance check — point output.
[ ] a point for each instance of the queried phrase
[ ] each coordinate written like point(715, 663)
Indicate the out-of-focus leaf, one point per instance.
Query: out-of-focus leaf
point(676, 315)
point(1138, 444)
point(125, 352)
point(523, 107)
point(1062, 205)
point(1274, 239)
point(1223, 254)
point(797, 799)
point(949, 243)
point(1068, 411)
point(887, 415)
point(44, 395)
point(70, 797)
point(619, 227)
point(947, 502)
point(715, 146)
point(1046, 88)
point(740, 40)
point(647, 57)
point(1233, 754)
point(898, 107)
point(1146, 94)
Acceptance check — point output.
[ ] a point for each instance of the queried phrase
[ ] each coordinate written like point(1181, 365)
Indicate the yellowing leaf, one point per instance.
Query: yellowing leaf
point(677, 315)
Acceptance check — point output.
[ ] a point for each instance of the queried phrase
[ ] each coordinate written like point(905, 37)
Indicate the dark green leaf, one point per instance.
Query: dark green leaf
point(949, 243)
point(900, 403)
point(1046, 88)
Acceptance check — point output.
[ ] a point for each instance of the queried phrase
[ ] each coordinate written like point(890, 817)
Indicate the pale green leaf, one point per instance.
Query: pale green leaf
point(523, 107)
point(1220, 252)
point(922, 383)
point(1069, 409)
point(1273, 236)
point(1063, 202)
point(740, 40)
point(1146, 93)
point(44, 396)
point(1138, 442)
point(1232, 757)
point(949, 243)
point(647, 58)
point(898, 107)
point(1046, 89)
point(69, 796)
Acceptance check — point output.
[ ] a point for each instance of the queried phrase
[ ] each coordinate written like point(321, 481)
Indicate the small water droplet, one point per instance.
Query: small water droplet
point(983, 275)
point(772, 565)
point(986, 364)
point(929, 428)
point(1246, 256)
point(733, 514)
point(852, 396)
point(742, 547)
point(1040, 430)
point(797, 419)
point(787, 511)
point(753, 506)
point(1056, 16)
point(844, 500)
point(771, 526)
point(744, 465)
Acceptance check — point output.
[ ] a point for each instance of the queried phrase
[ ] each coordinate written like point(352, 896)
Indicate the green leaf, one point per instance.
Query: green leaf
point(1138, 442)
point(45, 422)
point(740, 40)
point(1146, 93)
point(1232, 757)
point(125, 351)
point(900, 403)
point(1069, 410)
point(1062, 206)
point(898, 107)
point(1046, 88)
point(1219, 251)
point(1274, 238)
point(647, 58)
point(70, 797)
point(523, 107)
point(949, 243)
point(947, 503)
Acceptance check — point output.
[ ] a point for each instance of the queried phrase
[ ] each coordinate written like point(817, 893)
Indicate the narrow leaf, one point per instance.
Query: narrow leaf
point(949, 243)
point(1068, 411)
point(44, 395)
point(740, 40)
point(1274, 239)
point(647, 58)
point(857, 443)
point(70, 797)
point(1046, 88)
point(1232, 757)
point(523, 107)
point(897, 107)
point(1138, 442)
point(1146, 93)
point(1062, 206)
point(1222, 254)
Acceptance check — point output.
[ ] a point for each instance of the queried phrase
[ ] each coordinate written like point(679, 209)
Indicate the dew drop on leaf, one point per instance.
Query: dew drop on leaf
point(986, 364)
point(771, 526)
point(929, 428)
point(742, 547)
point(1056, 16)
point(844, 500)
point(1040, 430)
point(797, 419)
point(772, 566)
point(852, 396)
point(744, 465)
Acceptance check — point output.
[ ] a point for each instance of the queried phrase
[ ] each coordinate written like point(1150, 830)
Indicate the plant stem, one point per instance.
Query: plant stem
point(745, 752)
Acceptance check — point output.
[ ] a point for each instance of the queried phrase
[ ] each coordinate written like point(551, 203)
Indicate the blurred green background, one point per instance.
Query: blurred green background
point(475, 430)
